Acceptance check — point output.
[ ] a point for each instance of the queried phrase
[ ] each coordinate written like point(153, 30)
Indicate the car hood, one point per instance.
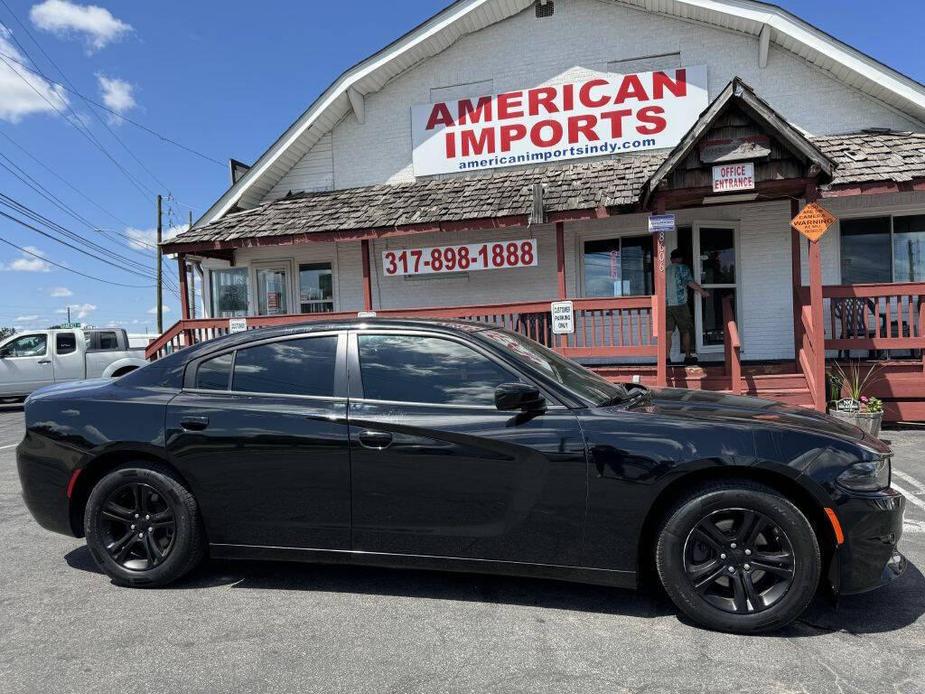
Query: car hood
point(721, 407)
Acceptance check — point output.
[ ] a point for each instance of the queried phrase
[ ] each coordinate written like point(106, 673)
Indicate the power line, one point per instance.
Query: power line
point(76, 272)
point(128, 120)
point(144, 190)
point(38, 218)
point(45, 221)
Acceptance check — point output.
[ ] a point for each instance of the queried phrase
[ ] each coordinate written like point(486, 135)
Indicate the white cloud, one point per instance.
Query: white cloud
point(117, 94)
point(78, 311)
point(23, 92)
point(63, 18)
point(26, 319)
point(153, 309)
point(27, 262)
point(146, 239)
point(60, 291)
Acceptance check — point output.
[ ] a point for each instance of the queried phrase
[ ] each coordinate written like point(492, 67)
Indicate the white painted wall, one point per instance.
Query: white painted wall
point(582, 36)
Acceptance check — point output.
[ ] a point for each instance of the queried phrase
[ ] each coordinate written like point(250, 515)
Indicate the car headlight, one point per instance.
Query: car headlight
point(866, 477)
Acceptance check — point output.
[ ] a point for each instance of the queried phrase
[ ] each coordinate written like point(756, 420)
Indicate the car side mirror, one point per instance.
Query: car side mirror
point(518, 396)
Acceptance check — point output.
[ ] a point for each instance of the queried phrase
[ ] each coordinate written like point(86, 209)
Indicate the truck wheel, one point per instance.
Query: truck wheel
point(738, 557)
point(122, 372)
point(143, 526)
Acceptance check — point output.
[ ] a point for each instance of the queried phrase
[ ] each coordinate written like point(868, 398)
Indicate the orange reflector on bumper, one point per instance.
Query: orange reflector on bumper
point(836, 526)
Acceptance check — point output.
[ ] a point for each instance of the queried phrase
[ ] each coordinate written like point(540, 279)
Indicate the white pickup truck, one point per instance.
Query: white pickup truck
point(37, 358)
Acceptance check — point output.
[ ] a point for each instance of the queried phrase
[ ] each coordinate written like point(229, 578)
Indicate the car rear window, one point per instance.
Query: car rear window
point(213, 374)
point(65, 343)
point(108, 341)
point(290, 367)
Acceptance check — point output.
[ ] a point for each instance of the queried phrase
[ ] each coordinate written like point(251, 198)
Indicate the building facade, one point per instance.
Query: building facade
point(557, 129)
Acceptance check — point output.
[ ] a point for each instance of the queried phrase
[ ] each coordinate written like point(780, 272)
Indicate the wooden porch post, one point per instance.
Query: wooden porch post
point(184, 289)
point(367, 277)
point(797, 276)
point(658, 307)
point(560, 258)
point(815, 302)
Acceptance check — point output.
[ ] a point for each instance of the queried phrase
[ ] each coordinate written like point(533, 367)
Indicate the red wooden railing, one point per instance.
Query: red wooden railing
point(873, 317)
point(808, 357)
point(614, 327)
point(732, 346)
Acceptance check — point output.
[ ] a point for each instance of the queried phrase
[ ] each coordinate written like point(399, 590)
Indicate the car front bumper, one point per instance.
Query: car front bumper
point(869, 557)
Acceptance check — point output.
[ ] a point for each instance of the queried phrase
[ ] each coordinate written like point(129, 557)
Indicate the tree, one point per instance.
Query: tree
point(6, 332)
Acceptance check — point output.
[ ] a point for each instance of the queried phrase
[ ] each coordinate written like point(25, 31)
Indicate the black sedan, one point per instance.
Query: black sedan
point(460, 446)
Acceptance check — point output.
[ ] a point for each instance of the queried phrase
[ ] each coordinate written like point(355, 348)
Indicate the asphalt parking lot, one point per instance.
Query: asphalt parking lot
point(282, 627)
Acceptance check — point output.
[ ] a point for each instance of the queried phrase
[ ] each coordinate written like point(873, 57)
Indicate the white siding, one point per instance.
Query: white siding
point(582, 36)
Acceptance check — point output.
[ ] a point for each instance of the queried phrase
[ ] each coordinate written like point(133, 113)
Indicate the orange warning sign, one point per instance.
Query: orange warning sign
point(813, 221)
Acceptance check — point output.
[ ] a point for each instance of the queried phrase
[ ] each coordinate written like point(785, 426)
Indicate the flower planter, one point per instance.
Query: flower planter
point(867, 421)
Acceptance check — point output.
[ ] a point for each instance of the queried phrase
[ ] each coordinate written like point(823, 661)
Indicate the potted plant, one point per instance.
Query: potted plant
point(849, 401)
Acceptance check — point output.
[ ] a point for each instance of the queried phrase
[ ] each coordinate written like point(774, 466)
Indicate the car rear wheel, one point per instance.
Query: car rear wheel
point(143, 527)
point(738, 557)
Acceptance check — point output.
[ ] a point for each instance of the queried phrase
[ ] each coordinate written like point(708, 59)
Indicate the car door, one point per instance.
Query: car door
point(438, 470)
point(69, 360)
point(25, 364)
point(260, 433)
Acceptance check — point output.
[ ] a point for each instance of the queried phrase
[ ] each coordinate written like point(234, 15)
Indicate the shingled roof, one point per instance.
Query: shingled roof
point(863, 157)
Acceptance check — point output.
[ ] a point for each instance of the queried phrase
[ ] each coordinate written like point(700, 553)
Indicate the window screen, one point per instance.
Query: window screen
point(294, 367)
point(409, 368)
point(214, 373)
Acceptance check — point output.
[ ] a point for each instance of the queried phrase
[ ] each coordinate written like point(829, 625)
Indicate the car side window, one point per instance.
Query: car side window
point(214, 373)
point(108, 341)
point(412, 368)
point(292, 367)
point(26, 346)
point(65, 343)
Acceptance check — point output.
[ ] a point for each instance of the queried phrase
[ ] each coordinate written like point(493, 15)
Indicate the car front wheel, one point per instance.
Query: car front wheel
point(143, 526)
point(738, 557)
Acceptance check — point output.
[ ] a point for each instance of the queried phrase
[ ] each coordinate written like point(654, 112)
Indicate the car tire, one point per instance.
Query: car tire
point(738, 579)
point(143, 526)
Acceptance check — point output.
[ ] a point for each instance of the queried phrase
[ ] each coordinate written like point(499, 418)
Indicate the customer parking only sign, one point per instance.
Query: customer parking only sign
point(609, 114)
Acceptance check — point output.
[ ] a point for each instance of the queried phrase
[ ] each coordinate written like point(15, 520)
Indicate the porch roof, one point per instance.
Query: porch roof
point(505, 198)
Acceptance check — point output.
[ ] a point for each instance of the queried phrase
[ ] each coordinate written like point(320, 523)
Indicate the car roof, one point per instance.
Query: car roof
point(446, 326)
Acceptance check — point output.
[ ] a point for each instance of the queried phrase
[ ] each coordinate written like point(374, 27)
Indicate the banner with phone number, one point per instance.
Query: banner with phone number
point(491, 255)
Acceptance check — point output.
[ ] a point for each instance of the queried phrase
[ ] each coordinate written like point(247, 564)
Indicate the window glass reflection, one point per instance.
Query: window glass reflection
point(293, 367)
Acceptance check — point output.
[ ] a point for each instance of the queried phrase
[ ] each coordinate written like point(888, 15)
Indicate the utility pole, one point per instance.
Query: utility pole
point(68, 315)
point(160, 259)
point(192, 280)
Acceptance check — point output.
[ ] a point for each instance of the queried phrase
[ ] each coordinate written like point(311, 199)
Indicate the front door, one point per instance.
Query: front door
point(261, 436)
point(25, 364)
point(715, 252)
point(438, 470)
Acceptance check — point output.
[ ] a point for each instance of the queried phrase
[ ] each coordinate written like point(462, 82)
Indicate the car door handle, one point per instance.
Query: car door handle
point(375, 439)
point(194, 423)
point(44, 361)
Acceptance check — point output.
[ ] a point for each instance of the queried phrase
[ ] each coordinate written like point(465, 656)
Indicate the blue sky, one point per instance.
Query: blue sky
point(223, 78)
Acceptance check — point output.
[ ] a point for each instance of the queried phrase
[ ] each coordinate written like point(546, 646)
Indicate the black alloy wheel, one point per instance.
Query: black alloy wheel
point(143, 527)
point(138, 526)
point(738, 556)
point(739, 560)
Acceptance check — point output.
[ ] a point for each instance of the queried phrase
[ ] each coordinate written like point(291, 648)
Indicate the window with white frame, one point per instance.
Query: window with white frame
point(883, 249)
point(229, 293)
point(316, 288)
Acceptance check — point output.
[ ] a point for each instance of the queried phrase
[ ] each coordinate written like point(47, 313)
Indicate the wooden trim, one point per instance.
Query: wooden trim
point(796, 275)
point(659, 312)
point(873, 188)
point(560, 258)
point(367, 276)
point(184, 289)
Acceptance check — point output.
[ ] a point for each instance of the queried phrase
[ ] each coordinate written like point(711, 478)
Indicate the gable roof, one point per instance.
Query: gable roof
point(770, 23)
point(740, 94)
point(506, 199)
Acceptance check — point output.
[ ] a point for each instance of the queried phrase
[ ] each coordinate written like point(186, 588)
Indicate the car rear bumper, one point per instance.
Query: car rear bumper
point(869, 557)
point(44, 489)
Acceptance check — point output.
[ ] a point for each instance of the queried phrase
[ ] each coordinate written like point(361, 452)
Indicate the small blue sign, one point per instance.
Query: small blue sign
point(661, 223)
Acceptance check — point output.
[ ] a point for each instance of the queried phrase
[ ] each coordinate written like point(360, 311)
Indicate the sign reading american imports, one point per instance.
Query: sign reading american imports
point(609, 114)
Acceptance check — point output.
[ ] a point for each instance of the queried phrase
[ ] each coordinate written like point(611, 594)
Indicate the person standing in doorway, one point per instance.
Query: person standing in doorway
point(678, 281)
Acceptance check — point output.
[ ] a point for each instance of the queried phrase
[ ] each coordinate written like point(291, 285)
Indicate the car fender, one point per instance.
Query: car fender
point(121, 364)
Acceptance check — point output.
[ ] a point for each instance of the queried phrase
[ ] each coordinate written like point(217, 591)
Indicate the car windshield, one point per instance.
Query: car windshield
point(584, 383)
